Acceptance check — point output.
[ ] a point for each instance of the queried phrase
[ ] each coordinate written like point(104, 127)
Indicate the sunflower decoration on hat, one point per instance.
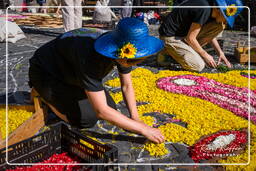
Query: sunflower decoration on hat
point(230, 9)
point(128, 50)
point(129, 40)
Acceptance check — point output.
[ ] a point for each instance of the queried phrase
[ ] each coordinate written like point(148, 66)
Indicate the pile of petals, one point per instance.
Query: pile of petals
point(156, 149)
point(229, 97)
point(12, 17)
point(16, 117)
point(221, 144)
point(62, 158)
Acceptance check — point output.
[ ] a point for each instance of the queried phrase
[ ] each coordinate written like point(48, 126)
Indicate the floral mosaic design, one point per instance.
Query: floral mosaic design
point(229, 97)
point(202, 117)
point(248, 75)
point(221, 144)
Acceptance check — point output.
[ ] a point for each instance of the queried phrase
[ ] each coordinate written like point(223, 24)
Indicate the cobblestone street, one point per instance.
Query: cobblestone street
point(18, 56)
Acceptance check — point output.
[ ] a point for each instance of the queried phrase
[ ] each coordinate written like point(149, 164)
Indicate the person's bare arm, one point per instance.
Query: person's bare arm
point(192, 41)
point(58, 11)
point(113, 14)
point(216, 46)
point(98, 101)
point(129, 95)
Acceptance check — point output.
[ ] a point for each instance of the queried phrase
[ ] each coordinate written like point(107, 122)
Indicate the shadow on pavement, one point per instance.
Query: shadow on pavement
point(139, 140)
point(41, 31)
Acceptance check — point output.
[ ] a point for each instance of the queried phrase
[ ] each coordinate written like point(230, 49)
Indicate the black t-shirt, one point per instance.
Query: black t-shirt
point(178, 22)
point(71, 58)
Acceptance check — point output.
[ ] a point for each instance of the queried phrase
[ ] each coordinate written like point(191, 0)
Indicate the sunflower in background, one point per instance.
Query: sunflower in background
point(231, 10)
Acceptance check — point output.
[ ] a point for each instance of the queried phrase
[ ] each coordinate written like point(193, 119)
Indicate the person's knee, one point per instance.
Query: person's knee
point(195, 66)
point(198, 67)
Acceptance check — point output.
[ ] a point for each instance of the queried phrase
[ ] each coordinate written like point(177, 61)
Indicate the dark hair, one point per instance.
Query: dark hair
point(135, 60)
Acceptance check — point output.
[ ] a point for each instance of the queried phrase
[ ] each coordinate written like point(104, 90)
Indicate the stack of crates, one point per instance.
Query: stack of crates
point(58, 139)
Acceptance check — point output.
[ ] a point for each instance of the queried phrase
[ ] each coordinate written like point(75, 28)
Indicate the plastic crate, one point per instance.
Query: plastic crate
point(61, 138)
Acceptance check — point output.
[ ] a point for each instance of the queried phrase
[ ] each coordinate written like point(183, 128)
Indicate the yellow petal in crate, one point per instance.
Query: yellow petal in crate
point(16, 117)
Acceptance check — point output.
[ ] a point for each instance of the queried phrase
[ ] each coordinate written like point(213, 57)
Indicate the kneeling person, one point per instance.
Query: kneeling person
point(67, 73)
point(186, 30)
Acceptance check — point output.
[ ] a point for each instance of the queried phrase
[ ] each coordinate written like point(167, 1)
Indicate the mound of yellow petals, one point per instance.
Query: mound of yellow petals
point(16, 117)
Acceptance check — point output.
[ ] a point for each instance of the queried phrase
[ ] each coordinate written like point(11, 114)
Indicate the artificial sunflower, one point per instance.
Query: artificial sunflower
point(231, 10)
point(127, 51)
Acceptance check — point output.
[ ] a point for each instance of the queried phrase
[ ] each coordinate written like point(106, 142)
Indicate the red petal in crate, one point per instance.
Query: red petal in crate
point(57, 159)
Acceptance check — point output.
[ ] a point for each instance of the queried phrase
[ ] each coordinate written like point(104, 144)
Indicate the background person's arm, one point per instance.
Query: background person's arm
point(98, 101)
point(192, 41)
point(216, 46)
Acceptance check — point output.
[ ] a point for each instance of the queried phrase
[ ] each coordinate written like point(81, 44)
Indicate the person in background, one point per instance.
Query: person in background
point(137, 10)
point(41, 4)
point(186, 30)
point(127, 11)
point(72, 16)
point(67, 73)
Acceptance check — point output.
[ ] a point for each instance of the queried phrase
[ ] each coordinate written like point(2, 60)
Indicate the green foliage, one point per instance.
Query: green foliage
point(223, 68)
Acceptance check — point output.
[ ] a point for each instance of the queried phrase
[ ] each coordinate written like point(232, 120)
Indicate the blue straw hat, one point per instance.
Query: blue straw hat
point(231, 10)
point(130, 39)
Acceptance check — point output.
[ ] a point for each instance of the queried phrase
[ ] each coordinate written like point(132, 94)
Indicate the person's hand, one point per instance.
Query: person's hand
point(58, 12)
point(209, 60)
point(153, 134)
point(222, 57)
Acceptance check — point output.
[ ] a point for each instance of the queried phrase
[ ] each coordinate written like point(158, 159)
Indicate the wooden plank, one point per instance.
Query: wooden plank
point(41, 21)
point(90, 3)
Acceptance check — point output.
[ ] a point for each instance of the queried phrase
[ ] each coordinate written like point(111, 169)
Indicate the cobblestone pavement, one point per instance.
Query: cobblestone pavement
point(20, 52)
point(18, 56)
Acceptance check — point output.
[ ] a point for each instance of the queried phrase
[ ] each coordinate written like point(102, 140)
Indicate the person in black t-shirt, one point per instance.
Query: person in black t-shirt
point(67, 73)
point(186, 30)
